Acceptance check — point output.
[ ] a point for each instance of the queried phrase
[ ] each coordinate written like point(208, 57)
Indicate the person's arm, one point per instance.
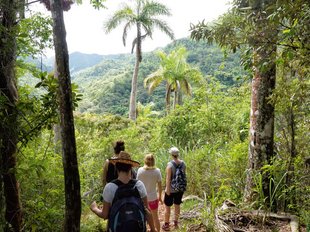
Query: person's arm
point(168, 180)
point(104, 173)
point(160, 189)
point(149, 217)
point(101, 212)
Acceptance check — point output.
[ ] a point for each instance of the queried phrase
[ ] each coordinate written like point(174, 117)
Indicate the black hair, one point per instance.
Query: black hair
point(119, 146)
point(122, 167)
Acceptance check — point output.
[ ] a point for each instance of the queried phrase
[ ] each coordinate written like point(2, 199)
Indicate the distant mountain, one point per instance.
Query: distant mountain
point(79, 61)
point(105, 80)
point(106, 85)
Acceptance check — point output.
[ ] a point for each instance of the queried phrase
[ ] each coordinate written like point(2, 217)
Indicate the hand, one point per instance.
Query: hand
point(160, 200)
point(93, 205)
point(168, 192)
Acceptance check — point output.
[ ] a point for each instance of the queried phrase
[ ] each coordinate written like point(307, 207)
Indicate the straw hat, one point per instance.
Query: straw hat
point(124, 158)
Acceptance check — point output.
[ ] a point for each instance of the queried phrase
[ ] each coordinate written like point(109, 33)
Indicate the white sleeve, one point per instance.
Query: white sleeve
point(141, 188)
point(159, 175)
point(139, 173)
point(109, 192)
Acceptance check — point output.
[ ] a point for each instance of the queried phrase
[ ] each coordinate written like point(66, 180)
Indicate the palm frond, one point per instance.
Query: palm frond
point(127, 27)
point(148, 30)
point(153, 80)
point(164, 27)
point(153, 85)
point(123, 15)
point(152, 8)
point(134, 43)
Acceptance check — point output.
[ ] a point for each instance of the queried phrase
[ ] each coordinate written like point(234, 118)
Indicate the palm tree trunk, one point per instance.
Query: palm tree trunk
point(175, 100)
point(70, 165)
point(133, 94)
point(9, 119)
point(168, 92)
point(134, 81)
point(178, 96)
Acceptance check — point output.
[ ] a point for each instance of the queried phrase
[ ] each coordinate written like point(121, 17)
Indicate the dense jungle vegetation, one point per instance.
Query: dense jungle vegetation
point(211, 127)
point(106, 85)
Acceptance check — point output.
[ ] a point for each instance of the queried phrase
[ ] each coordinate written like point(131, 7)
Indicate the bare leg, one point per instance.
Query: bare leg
point(156, 219)
point(167, 214)
point(149, 219)
point(177, 209)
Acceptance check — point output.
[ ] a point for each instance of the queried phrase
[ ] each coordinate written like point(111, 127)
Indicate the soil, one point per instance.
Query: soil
point(239, 222)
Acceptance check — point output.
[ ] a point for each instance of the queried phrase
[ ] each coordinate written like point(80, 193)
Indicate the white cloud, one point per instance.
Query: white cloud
point(84, 25)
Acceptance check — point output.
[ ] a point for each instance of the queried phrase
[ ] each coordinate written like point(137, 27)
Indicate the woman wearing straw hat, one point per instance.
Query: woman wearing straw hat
point(151, 176)
point(123, 164)
point(109, 170)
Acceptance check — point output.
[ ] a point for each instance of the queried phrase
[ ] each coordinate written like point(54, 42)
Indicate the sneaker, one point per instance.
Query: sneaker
point(166, 226)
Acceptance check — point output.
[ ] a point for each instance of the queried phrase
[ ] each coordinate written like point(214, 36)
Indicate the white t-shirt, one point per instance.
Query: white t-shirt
point(110, 189)
point(150, 178)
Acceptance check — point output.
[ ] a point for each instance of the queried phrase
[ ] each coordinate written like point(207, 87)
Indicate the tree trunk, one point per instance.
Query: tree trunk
point(293, 154)
point(175, 99)
point(134, 82)
point(8, 114)
point(2, 200)
point(262, 111)
point(70, 165)
point(168, 92)
point(177, 95)
point(133, 94)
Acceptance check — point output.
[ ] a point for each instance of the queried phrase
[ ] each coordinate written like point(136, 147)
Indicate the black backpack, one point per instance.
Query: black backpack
point(127, 212)
point(178, 181)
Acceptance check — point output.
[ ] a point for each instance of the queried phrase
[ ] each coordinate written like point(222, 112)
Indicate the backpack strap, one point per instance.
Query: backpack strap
point(125, 190)
point(117, 182)
point(175, 164)
point(132, 182)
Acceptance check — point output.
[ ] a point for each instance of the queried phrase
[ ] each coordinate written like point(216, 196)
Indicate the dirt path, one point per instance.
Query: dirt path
point(161, 216)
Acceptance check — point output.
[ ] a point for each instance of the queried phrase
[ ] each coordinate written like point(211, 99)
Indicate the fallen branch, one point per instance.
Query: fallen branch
point(294, 222)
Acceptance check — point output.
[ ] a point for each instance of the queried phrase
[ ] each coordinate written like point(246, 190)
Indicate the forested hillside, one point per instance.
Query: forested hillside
point(240, 120)
point(106, 86)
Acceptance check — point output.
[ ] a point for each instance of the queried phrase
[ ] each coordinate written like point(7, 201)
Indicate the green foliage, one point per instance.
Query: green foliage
point(38, 104)
point(211, 129)
point(34, 35)
point(106, 86)
point(40, 176)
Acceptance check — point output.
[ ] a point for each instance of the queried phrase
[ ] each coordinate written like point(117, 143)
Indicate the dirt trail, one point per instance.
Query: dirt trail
point(161, 216)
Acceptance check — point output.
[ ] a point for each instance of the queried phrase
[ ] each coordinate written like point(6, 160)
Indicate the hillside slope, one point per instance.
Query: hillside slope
point(106, 85)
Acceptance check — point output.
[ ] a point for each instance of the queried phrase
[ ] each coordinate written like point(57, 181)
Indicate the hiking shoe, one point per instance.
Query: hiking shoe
point(166, 226)
point(176, 224)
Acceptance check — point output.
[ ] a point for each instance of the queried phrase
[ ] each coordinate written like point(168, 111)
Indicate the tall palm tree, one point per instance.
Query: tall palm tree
point(143, 16)
point(177, 73)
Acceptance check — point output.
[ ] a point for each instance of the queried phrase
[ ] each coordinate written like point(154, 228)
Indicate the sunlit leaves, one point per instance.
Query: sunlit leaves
point(176, 72)
point(34, 35)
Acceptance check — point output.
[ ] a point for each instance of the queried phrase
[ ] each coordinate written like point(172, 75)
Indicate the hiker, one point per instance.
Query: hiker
point(125, 199)
point(175, 187)
point(109, 170)
point(151, 177)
